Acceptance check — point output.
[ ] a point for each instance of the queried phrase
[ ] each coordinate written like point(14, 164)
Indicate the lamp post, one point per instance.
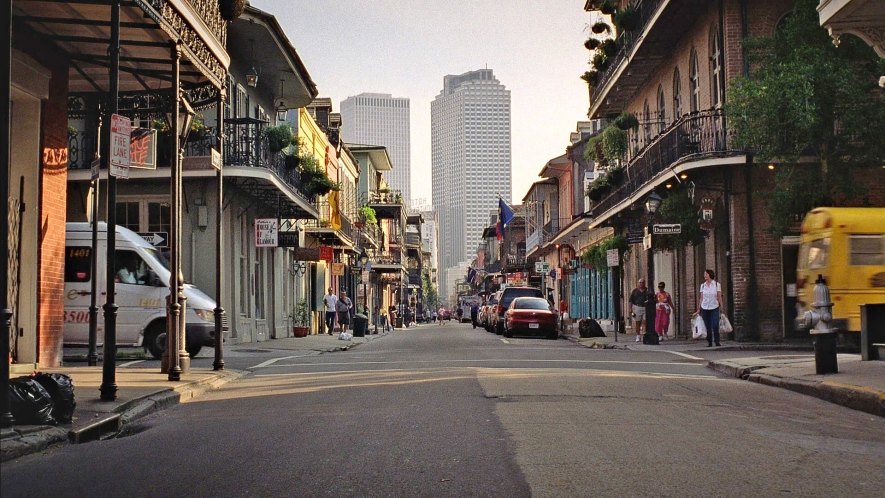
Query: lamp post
point(652, 203)
point(364, 262)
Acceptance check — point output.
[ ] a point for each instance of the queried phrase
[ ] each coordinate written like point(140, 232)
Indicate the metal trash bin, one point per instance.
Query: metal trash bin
point(360, 325)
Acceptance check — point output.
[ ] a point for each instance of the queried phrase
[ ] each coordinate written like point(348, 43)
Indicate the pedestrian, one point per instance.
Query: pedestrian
point(663, 308)
point(330, 301)
point(344, 307)
point(710, 306)
point(639, 300)
point(391, 316)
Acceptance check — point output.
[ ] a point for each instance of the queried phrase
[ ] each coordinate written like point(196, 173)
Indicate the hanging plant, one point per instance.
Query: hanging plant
point(614, 143)
point(591, 77)
point(678, 208)
point(600, 28)
point(597, 256)
point(278, 137)
point(592, 43)
point(291, 161)
point(615, 175)
point(627, 19)
point(315, 181)
point(593, 150)
point(231, 9)
point(626, 121)
point(600, 62)
point(609, 48)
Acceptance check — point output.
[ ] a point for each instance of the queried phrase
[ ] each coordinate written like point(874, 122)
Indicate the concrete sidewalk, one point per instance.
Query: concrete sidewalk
point(859, 385)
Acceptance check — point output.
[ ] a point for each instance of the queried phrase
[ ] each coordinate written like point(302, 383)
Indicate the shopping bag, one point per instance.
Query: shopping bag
point(724, 324)
point(699, 330)
point(345, 336)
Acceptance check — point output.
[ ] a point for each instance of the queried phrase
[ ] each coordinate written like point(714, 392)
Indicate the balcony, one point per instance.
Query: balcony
point(697, 136)
point(661, 24)
point(388, 204)
point(322, 227)
point(387, 262)
point(371, 234)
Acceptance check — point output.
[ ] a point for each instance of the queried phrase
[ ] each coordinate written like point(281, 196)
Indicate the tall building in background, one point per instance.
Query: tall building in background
point(470, 135)
point(381, 119)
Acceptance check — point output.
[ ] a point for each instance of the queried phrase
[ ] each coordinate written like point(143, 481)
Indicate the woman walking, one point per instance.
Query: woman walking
point(663, 308)
point(710, 306)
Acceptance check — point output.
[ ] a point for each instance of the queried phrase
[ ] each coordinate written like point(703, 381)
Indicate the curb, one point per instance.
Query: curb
point(852, 397)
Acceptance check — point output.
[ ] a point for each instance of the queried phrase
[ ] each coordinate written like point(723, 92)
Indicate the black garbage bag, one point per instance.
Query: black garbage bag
point(29, 403)
point(61, 388)
point(588, 327)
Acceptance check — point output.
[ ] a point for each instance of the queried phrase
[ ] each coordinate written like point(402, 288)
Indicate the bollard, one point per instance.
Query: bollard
point(818, 321)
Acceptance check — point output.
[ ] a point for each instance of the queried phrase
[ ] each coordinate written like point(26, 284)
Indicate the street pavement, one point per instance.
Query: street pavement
point(141, 391)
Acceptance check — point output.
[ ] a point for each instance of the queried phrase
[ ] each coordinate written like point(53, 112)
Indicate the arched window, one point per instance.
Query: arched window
point(716, 83)
point(646, 127)
point(694, 87)
point(677, 95)
point(662, 112)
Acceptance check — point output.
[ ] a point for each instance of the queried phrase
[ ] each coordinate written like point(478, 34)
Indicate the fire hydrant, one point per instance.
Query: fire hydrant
point(818, 322)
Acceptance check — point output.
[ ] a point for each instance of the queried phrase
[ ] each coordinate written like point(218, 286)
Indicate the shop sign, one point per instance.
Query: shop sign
point(266, 230)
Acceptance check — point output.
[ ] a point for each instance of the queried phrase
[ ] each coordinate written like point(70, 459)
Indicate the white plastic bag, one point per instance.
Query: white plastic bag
point(724, 324)
point(699, 330)
point(345, 336)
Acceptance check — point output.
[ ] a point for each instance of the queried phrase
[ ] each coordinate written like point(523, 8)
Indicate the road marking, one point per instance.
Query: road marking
point(684, 355)
point(505, 341)
point(268, 363)
point(129, 363)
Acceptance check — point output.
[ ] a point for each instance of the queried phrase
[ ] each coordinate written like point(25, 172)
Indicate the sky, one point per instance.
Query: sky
point(406, 47)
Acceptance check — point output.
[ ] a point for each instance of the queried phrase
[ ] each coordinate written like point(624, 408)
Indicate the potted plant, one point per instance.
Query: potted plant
point(600, 27)
point(299, 316)
point(626, 121)
point(614, 143)
point(592, 43)
point(627, 19)
point(600, 62)
point(278, 137)
point(367, 214)
point(609, 48)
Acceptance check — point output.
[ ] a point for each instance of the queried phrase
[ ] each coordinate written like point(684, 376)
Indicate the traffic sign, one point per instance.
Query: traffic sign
point(156, 239)
point(121, 133)
point(666, 229)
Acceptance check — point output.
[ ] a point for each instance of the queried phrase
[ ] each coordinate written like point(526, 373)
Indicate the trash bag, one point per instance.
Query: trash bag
point(588, 327)
point(61, 388)
point(345, 336)
point(29, 403)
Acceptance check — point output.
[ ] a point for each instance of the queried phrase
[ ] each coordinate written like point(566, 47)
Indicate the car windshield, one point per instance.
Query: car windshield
point(530, 303)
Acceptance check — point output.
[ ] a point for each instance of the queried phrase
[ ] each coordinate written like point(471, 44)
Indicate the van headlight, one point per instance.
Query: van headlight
point(206, 315)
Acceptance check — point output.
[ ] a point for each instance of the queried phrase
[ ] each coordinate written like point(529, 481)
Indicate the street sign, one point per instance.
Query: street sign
point(94, 168)
point(156, 239)
point(667, 229)
point(216, 159)
point(542, 267)
point(121, 132)
point(266, 231)
point(611, 257)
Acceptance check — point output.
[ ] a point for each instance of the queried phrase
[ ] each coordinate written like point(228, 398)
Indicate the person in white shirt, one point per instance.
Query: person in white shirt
point(710, 306)
point(330, 301)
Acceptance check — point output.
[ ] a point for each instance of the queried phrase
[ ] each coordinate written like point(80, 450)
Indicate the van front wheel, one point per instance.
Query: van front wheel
point(155, 342)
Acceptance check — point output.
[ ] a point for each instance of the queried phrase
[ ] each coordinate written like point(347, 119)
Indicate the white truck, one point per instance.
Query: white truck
point(142, 276)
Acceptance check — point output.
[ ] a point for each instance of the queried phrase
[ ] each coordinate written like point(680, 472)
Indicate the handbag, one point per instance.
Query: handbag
point(724, 325)
point(698, 329)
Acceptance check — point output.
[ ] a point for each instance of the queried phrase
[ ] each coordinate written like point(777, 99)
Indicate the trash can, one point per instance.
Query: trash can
point(360, 324)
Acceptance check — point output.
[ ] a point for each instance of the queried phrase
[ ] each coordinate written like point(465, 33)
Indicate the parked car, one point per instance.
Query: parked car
point(486, 311)
point(531, 315)
point(506, 296)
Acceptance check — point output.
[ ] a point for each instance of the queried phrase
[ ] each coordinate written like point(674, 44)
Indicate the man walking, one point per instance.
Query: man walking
point(330, 301)
point(639, 299)
point(344, 307)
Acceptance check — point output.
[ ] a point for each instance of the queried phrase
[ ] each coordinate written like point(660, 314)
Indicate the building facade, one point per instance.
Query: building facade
point(471, 161)
point(382, 119)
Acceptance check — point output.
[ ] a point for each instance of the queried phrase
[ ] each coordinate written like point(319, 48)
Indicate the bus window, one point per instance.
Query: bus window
point(867, 250)
point(814, 255)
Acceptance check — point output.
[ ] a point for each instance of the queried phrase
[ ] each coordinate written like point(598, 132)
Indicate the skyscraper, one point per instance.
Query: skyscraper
point(470, 135)
point(381, 119)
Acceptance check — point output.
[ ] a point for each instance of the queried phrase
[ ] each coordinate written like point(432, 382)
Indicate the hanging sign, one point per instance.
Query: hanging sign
point(143, 148)
point(327, 253)
point(266, 232)
point(337, 269)
point(121, 131)
point(611, 257)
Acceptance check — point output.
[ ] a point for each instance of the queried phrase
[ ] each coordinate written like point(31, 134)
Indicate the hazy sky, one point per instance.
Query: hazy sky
point(406, 47)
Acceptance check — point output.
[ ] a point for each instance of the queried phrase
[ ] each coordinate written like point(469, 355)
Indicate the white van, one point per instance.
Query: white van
point(141, 290)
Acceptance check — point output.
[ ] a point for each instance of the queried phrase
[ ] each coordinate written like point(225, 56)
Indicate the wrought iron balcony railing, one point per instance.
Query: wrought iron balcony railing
point(694, 136)
point(387, 258)
point(325, 219)
point(387, 196)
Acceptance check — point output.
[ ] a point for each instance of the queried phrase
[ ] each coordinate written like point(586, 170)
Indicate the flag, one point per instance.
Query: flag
point(471, 274)
point(505, 215)
point(334, 212)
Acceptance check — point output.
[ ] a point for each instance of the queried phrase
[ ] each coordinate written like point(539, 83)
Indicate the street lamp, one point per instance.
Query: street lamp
point(364, 263)
point(652, 203)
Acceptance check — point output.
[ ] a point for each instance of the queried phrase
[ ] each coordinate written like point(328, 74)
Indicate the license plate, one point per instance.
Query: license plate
point(533, 325)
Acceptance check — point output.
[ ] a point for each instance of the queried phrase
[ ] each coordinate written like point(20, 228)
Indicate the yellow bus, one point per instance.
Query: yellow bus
point(847, 247)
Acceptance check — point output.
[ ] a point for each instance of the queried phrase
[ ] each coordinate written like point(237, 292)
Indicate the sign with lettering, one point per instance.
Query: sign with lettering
point(611, 257)
point(288, 239)
point(266, 230)
point(121, 131)
point(666, 229)
point(216, 159)
point(337, 269)
point(542, 267)
point(635, 232)
point(327, 253)
point(156, 239)
point(143, 148)
point(306, 254)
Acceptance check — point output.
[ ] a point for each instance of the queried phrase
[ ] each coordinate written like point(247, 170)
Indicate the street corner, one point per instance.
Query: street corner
point(23, 440)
